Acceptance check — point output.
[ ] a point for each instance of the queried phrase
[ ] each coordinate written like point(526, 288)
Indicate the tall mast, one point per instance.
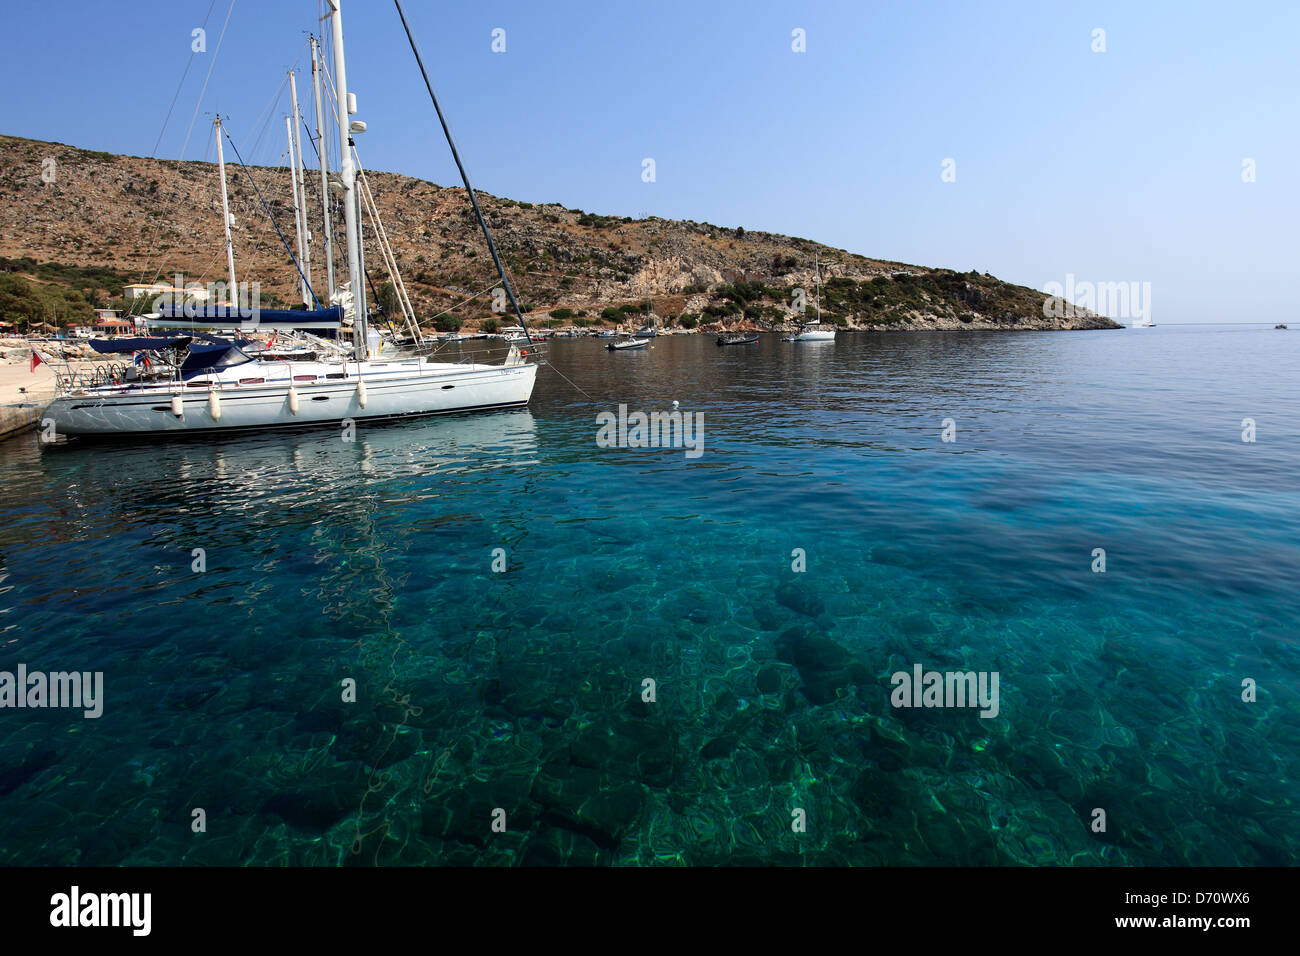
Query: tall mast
point(347, 173)
point(233, 293)
point(297, 212)
point(300, 191)
point(818, 288)
point(324, 172)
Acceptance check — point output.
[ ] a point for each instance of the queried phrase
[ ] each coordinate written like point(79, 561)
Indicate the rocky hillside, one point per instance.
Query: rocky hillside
point(67, 211)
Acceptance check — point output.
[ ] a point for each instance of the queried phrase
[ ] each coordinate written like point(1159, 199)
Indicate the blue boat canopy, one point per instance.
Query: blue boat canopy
point(150, 344)
point(224, 316)
point(205, 358)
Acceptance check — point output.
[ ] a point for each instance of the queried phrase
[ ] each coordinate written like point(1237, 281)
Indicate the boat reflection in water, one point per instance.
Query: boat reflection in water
point(216, 480)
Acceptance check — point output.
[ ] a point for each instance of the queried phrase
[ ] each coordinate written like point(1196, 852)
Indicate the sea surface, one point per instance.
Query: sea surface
point(652, 680)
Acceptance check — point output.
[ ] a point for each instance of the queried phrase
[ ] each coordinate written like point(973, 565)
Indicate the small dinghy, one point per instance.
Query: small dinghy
point(737, 338)
point(627, 344)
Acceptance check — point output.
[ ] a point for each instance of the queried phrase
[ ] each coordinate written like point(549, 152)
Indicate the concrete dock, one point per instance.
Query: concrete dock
point(23, 396)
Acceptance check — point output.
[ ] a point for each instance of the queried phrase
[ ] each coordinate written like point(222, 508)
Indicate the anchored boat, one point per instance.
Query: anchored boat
point(737, 338)
point(624, 344)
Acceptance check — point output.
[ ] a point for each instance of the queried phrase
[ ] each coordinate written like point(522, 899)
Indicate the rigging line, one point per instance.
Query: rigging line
point(271, 217)
point(213, 63)
point(452, 308)
point(181, 84)
point(492, 248)
point(570, 381)
point(130, 312)
point(268, 112)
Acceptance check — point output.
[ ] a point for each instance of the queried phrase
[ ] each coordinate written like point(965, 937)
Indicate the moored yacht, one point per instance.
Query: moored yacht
point(215, 385)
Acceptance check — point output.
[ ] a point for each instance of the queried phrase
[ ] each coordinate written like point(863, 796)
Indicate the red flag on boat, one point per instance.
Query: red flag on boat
point(36, 359)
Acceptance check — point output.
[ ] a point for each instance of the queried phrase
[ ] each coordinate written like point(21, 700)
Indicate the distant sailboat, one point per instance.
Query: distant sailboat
point(1144, 323)
point(814, 331)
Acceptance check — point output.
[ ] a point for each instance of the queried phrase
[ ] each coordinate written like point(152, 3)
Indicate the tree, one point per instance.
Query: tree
point(388, 300)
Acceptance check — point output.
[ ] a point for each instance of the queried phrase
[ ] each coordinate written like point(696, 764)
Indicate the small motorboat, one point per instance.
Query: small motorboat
point(737, 338)
point(627, 344)
point(1279, 327)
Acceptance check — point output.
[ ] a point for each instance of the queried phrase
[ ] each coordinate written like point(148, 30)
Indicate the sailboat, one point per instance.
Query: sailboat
point(814, 331)
point(207, 384)
point(642, 336)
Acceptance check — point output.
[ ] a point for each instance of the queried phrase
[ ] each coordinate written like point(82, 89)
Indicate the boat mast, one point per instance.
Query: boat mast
point(300, 192)
point(297, 213)
point(324, 172)
point(464, 176)
point(233, 293)
point(817, 292)
point(347, 173)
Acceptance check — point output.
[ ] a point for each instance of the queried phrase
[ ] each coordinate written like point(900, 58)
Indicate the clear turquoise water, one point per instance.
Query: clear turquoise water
point(521, 690)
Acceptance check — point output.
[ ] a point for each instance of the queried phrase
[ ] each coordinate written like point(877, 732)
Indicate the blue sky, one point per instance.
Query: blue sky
point(1117, 166)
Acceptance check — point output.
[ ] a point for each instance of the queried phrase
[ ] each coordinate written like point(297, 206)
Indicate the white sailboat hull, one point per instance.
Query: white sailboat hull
point(292, 395)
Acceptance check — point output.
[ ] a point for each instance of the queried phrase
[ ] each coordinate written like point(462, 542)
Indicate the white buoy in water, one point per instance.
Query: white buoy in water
point(214, 405)
point(178, 406)
point(293, 400)
point(361, 393)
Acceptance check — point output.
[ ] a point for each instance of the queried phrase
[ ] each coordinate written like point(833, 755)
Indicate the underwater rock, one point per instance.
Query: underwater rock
point(376, 743)
point(34, 761)
point(824, 666)
point(719, 747)
point(579, 799)
point(527, 688)
point(888, 754)
point(801, 599)
point(768, 680)
point(769, 618)
point(627, 747)
point(556, 846)
point(465, 814)
point(878, 795)
point(315, 811)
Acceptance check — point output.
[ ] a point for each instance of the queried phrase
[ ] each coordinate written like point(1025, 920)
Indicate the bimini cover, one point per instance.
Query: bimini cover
point(222, 316)
point(153, 344)
point(211, 358)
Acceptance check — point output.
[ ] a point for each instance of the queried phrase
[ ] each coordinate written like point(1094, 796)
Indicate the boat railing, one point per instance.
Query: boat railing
point(510, 352)
point(98, 375)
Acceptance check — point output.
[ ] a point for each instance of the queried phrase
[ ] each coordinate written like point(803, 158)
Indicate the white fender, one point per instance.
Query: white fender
point(293, 400)
point(361, 393)
point(214, 405)
point(178, 406)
